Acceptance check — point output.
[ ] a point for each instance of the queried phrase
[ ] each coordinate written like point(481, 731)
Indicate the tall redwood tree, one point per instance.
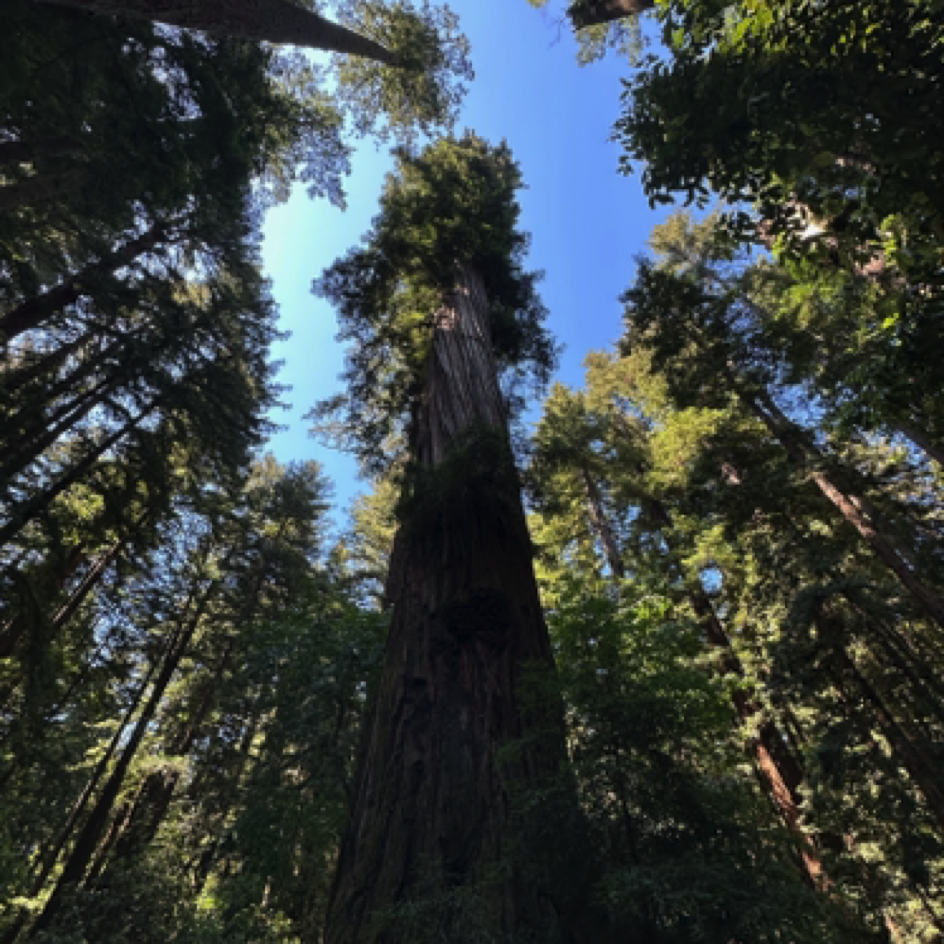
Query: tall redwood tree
point(437, 300)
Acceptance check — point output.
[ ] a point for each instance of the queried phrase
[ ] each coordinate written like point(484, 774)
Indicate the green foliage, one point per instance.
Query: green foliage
point(454, 203)
point(422, 95)
point(682, 847)
point(622, 37)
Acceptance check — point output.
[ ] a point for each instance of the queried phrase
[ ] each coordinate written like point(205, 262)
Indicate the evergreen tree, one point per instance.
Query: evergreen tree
point(438, 304)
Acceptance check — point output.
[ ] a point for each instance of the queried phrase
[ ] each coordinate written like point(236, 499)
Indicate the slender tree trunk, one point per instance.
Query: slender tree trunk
point(87, 841)
point(14, 629)
point(584, 13)
point(272, 21)
point(805, 454)
point(924, 442)
point(23, 515)
point(923, 768)
point(51, 855)
point(58, 424)
point(15, 378)
point(154, 796)
point(431, 811)
point(32, 191)
point(777, 767)
point(34, 312)
point(601, 525)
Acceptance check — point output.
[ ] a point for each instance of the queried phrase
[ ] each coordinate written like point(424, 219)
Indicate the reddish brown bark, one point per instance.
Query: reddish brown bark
point(601, 525)
point(805, 453)
point(431, 808)
point(777, 767)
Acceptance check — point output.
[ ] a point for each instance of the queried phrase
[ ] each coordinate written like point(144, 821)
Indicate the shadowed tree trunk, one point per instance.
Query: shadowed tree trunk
point(584, 13)
point(431, 817)
point(50, 855)
point(923, 441)
point(33, 312)
point(11, 633)
point(22, 515)
point(853, 508)
point(272, 21)
point(87, 841)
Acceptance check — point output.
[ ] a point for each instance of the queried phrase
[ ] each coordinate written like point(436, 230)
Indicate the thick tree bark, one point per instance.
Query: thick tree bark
point(34, 312)
point(431, 809)
point(584, 13)
point(272, 21)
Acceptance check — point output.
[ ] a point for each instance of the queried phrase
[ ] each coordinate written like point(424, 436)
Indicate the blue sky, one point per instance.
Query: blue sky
point(586, 221)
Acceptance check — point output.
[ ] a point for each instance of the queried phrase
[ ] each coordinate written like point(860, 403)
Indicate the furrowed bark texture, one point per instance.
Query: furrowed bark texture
point(431, 811)
point(273, 21)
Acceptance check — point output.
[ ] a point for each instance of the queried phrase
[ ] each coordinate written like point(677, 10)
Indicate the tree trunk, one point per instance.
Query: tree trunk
point(155, 794)
point(601, 525)
point(431, 822)
point(88, 838)
point(35, 441)
point(807, 455)
point(584, 13)
point(51, 855)
point(32, 507)
point(272, 21)
point(32, 313)
point(14, 378)
point(924, 442)
point(11, 633)
point(776, 765)
point(922, 766)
